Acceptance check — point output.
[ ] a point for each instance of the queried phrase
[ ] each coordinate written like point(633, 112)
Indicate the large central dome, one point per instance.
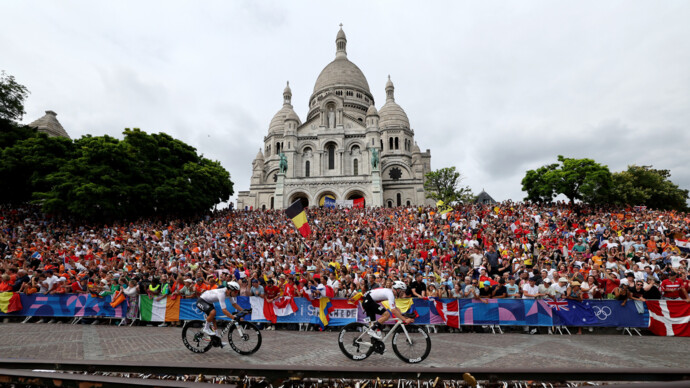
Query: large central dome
point(341, 72)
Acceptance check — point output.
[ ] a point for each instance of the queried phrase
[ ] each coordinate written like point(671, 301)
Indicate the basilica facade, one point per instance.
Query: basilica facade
point(344, 149)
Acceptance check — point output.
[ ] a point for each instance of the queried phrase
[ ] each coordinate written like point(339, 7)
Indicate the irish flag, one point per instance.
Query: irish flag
point(163, 310)
point(10, 302)
point(270, 311)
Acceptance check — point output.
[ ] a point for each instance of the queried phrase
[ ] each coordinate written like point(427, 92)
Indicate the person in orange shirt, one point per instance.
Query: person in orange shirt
point(5, 285)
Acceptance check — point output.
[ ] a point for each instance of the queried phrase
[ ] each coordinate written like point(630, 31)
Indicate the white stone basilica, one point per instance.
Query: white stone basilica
point(345, 149)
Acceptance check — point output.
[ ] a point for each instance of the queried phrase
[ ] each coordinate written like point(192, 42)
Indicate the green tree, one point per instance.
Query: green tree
point(443, 185)
point(539, 184)
point(12, 96)
point(577, 179)
point(142, 175)
point(646, 186)
point(25, 164)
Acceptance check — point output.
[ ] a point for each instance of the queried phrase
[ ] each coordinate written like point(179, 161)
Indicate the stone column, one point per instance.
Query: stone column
point(376, 189)
point(279, 201)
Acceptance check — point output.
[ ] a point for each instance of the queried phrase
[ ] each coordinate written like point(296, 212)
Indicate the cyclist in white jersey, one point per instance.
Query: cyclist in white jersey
point(208, 298)
point(372, 307)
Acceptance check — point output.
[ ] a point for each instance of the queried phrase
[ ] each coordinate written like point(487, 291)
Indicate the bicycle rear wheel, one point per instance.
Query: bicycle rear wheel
point(354, 341)
point(246, 343)
point(414, 350)
point(194, 337)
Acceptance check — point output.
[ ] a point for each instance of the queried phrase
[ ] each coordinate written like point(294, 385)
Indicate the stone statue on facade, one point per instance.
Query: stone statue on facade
point(331, 119)
point(374, 158)
point(283, 163)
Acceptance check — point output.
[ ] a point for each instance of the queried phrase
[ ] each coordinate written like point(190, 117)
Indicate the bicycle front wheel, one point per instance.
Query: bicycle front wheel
point(246, 340)
point(413, 347)
point(194, 337)
point(354, 341)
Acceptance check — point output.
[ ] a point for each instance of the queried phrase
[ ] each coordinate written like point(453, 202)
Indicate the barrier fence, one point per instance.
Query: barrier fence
point(339, 312)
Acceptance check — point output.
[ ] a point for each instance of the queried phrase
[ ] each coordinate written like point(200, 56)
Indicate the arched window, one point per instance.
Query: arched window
point(277, 148)
point(271, 203)
point(355, 167)
point(390, 143)
point(408, 203)
point(306, 168)
point(390, 203)
point(396, 146)
point(381, 144)
point(398, 199)
point(263, 207)
point(331, 157)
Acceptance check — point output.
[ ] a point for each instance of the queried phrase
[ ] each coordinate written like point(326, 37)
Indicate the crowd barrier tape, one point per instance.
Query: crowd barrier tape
point(504, 312)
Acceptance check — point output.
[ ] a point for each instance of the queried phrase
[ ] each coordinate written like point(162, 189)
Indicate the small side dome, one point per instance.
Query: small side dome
point(393, 116)
point(372, 111)
point(260, 155)
point(278, 120)
point(415, 148)
point(292, 116)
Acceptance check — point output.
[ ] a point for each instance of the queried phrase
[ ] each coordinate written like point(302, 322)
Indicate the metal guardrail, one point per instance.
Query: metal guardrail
point(278, 374)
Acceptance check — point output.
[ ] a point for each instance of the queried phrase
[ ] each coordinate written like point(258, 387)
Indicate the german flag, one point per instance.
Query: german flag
point(296, 213)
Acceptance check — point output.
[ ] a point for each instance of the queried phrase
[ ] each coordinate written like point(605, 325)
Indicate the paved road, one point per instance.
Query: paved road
point(87, 342)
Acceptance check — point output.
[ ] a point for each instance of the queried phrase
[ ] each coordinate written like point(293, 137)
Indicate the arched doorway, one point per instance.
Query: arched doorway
point(302, 197)
point(357, 195)
point(322, 197)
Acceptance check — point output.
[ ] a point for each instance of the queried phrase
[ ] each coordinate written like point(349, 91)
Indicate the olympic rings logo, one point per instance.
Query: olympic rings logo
point(602, 313)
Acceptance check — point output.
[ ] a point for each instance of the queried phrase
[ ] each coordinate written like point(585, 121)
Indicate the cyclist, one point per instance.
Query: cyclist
point(371, 306)
point(207, 298)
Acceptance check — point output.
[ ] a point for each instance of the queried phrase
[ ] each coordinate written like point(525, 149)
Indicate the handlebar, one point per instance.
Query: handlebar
point(242, 313)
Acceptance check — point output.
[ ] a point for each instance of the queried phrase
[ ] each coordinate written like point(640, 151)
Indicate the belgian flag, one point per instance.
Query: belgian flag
point(298, 217)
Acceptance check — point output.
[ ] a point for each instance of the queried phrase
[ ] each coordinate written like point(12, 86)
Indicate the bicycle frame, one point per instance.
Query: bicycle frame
point(398, 322)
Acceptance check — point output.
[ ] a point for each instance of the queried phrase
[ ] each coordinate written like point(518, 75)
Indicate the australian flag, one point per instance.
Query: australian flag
point(573, 313)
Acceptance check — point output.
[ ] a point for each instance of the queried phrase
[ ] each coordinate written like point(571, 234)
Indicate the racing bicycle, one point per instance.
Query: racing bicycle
point(243, 337)
point(410, 343)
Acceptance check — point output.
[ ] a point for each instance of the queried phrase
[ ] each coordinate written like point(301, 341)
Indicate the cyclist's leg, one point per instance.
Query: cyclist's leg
point(211, 319)
point(384, 317)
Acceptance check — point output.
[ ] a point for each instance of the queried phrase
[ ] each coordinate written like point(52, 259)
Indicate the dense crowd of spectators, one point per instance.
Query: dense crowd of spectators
point(508, 250)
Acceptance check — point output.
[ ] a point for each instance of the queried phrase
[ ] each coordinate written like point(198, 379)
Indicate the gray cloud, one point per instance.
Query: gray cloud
point(493, 89)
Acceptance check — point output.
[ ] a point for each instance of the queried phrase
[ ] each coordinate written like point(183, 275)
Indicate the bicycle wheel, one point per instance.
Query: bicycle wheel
point(414, 350)
point(354, 341)
point(247, 342)
point(194, 338)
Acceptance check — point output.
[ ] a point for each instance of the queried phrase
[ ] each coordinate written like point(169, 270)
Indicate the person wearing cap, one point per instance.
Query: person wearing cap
point(574, 293)
point(560, 288)
point(546, 289)
point(256, 288)
point(512, 289)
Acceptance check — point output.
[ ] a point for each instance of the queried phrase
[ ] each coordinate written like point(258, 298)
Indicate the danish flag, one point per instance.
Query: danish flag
point(448, 312)
point(669, 317)
point(557, 305)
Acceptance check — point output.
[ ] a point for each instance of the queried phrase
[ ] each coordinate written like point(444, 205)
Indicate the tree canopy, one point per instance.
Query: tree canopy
point(101, 177)
point(443, 185)
point(12, 96)
point(592, 183)
point(646, 186)
point(577, 179)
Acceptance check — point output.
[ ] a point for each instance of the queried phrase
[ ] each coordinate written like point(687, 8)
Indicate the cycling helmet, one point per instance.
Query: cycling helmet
point(233, 286)
point(398, 285)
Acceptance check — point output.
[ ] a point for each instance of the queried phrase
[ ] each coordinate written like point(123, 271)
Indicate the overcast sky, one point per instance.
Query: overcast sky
point(492, 87)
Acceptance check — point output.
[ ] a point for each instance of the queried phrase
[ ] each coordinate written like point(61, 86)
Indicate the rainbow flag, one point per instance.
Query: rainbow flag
point(296, 213)
point(10, 302)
